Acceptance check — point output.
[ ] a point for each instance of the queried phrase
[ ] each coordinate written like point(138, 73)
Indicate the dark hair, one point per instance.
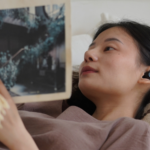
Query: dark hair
point(141, 34)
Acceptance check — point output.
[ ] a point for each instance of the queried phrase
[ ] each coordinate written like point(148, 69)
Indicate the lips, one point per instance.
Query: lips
point(88, 69)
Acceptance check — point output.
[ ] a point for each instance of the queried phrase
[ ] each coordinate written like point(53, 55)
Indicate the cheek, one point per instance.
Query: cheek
point(120, 75)
point(116, 76)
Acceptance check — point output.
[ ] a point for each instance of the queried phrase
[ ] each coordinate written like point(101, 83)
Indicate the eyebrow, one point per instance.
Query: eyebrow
point(112, 39)
point(107, 40)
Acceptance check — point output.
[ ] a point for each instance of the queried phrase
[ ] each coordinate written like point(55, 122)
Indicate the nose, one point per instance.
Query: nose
point(90, 56)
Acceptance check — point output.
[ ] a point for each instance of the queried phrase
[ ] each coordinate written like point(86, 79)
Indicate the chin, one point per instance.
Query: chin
point(84, 84)
point(87, 89)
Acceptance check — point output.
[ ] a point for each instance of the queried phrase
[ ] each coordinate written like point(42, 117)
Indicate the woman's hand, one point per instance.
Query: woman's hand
point(12, 131)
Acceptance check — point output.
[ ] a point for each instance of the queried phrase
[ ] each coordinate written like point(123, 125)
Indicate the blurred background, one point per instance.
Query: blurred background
point(88, 15)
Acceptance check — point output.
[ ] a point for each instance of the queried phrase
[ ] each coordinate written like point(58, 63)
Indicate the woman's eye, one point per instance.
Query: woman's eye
point(108, 48)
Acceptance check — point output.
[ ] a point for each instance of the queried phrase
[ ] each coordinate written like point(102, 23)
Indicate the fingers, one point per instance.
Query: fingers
point(3, 105)
point(4, 92)
point(3, 111)
point(3, 102)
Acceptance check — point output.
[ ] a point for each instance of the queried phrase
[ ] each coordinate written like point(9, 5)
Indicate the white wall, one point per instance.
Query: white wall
point(85, 14)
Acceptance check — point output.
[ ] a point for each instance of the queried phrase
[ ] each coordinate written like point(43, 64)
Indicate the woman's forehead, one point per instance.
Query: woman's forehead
point(116, 33)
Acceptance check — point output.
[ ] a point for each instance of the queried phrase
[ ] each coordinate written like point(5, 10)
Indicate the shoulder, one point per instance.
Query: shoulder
point(134, 125)
point(128, 133)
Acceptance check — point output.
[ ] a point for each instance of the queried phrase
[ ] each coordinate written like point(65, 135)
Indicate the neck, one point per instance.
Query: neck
point(112, 108)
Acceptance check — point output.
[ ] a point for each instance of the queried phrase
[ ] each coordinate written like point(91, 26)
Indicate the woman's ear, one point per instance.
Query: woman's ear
point(146, 75)
point(145, 79)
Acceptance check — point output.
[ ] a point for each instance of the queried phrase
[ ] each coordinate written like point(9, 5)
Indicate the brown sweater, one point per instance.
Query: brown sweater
point(74, 129)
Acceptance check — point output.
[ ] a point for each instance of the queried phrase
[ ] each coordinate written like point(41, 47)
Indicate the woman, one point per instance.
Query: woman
point(113, 80)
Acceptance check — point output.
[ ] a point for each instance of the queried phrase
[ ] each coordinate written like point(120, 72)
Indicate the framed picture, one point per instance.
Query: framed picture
point(35, 49)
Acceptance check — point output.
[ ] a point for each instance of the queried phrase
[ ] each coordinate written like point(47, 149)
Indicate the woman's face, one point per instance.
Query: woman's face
point(115, 58)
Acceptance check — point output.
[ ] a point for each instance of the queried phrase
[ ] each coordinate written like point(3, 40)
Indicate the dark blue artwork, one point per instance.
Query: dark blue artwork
point(32, 47)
